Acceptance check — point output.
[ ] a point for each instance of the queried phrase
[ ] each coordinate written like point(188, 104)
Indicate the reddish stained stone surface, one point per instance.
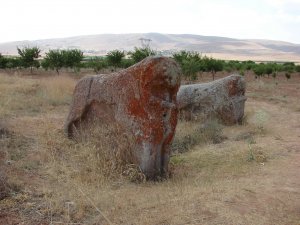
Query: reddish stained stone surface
point(236, 86)
point(223, 99)
point(141, 99)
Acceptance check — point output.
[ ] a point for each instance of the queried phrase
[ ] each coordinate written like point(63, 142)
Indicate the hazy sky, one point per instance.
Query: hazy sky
point(41, 19)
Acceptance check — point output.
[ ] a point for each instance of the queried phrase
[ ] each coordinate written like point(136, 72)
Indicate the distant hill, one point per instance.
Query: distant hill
point(219, 47)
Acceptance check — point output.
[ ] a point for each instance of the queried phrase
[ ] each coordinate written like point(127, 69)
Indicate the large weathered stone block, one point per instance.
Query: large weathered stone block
point(223, 99)
point(141, 100)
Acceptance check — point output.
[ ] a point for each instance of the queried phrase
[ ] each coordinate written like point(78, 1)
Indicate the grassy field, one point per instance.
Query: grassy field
point(243, 174)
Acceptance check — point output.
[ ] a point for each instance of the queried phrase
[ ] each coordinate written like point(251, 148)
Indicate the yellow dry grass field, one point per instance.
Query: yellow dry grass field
point(246, 174)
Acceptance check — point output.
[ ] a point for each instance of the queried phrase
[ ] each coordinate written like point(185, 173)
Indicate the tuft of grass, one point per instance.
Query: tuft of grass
point(8, 185)
point(261, 118)
point(134, 173)
point(14, 145)
point(4, 186)
point(251, 154)
point(189, 134)
point(246, 136)
point(177, 160)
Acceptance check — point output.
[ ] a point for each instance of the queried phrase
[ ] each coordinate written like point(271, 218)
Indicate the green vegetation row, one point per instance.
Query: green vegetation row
point(192, 63)
point(72, 58)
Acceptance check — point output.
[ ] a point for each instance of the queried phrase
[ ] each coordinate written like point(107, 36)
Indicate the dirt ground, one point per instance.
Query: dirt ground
point(251, 178)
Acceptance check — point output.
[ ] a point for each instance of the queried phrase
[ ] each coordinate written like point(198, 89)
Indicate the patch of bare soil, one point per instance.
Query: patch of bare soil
point(276, 198)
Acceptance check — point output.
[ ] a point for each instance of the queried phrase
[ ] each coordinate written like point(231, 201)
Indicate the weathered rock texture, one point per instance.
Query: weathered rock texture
point(141, 99)
point(223, 99)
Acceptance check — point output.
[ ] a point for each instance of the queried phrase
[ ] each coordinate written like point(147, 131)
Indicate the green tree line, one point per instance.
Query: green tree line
point(29, 57)
point(192, 63)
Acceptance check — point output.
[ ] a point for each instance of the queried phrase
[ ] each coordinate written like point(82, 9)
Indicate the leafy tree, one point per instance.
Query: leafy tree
point(249, 65)
point(259, 70)
point(227, 68)
point(278, 67)
point(72, 58)
point(289, 67)
point(115, 57)
point(230, 66)
point(213, 65)
point(190, 62)
point(3, 61)
point(237, 65)
point(140, 53)
point(29, 56)
point(54, 59)
point(297, 68)
point(190, 68)
point(181, 56)
point(45, 64)
point(269, 68)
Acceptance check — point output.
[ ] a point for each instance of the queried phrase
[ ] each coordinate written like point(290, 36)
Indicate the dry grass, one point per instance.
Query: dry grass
point(14, 95)
point(19, 96)
point(250, 177)
point(4, 186)
point(78, 169)
point(57, 90)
